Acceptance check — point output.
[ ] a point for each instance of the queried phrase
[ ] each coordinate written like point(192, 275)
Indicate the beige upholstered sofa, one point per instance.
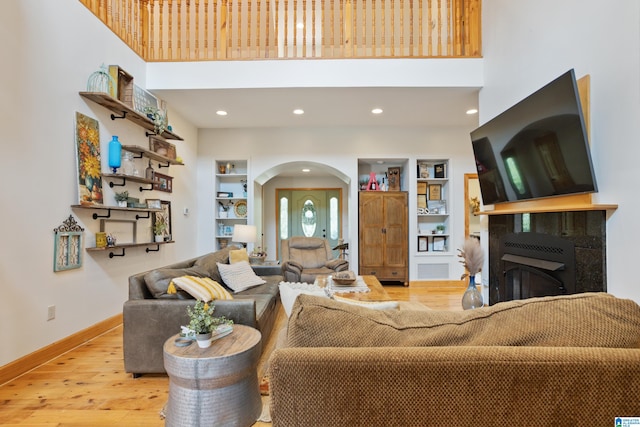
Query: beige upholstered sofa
point(554, 361)
point(304, 258)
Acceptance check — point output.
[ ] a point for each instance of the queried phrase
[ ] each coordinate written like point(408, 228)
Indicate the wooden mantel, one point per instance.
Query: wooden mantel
point(575, 202)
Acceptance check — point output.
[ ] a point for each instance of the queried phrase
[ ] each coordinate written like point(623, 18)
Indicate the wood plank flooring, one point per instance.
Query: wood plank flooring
point(87, 386)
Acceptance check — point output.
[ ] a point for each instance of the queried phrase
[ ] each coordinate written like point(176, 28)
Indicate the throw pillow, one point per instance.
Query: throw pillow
point(158, 281)
point(239, 276)
point(210, 262)
point(580, 320)
point(289, 291)
point(202, 288)
point(238, 255)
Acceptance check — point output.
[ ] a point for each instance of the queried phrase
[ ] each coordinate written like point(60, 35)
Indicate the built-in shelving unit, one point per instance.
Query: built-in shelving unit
point(231, 203)
point(432, 192)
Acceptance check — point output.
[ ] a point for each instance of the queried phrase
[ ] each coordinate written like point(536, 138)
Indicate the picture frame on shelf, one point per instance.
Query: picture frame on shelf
point(142, 99)
point(423, 170)
point(162, 182)
point(440, 170)
point(435, 191)
point(163, 216)
point(439, 243)
point(422, 200)
point(437, 207)
point(423, 244)
point(89, 175)
point(162, 147)
point(154, 203)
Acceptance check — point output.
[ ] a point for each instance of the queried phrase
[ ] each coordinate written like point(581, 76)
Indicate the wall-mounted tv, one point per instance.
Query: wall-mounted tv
point(537, 148)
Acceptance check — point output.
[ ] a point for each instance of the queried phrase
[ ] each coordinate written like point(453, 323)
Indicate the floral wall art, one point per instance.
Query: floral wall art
point(88, 156)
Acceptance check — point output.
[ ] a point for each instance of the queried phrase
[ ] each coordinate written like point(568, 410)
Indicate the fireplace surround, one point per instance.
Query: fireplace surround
point(546, 253)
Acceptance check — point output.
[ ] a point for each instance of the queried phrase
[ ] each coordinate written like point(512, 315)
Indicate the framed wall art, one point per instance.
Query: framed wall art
point(67, 247)
point(89, 167)
point(154, 204)
point(122, 230)
point(435, 191)
point(439, 243)
point(143, 99)
point(423, 244)
point(163, 217)
point(161, 147)
point(162, 182)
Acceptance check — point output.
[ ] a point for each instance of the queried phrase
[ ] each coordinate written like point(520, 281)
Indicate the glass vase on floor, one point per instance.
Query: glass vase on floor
point(472, 297)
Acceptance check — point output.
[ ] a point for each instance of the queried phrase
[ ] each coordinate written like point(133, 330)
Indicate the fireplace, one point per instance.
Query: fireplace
point(536, 265)
point(549, 253)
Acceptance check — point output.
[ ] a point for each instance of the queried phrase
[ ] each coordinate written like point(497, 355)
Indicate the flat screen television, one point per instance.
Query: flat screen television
point(537, 148)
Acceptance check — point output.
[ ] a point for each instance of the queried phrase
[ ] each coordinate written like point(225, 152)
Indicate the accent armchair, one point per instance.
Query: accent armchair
point(304, 258)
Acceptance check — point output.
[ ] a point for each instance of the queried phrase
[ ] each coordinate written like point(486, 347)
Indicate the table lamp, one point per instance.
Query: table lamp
point(244, 234)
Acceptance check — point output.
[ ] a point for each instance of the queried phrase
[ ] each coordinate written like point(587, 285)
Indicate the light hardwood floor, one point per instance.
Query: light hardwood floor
point(87, 386)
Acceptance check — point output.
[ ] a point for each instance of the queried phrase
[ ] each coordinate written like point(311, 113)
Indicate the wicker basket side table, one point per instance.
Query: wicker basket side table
point(216, 386)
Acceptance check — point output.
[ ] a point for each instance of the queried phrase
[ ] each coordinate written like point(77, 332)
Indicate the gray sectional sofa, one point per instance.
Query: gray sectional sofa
point(151, 316)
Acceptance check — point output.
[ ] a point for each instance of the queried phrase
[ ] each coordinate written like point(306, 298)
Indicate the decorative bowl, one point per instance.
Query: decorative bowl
point(344, 278)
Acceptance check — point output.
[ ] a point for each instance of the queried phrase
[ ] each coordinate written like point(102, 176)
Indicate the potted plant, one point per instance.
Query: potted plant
point(158, 117)
point(158, 230)
point(202, 322)
point(122, 198)
point(440, 228)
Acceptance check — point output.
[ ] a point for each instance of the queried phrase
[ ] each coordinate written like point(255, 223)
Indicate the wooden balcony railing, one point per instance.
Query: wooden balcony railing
point(204, 30)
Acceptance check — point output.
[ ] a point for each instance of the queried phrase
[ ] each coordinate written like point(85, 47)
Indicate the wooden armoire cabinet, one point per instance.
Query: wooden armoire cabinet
point(383, 235)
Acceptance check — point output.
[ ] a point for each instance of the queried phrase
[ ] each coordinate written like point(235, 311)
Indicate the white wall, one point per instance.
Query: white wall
point(339, 148)
point(48, 53)
point(527, 44)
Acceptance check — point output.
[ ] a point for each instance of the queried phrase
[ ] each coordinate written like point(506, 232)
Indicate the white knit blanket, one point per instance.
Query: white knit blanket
point(333, 288)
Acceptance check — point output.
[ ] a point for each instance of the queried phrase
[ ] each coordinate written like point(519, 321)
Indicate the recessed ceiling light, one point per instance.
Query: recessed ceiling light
point(300, 25)
point(377, 111)
point(472, 111)
point(298, 111)
point(306, 170)
point(380, 162)
point(221, 113)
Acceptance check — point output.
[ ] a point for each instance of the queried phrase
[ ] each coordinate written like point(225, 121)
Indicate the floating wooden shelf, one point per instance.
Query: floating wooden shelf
point(128, 245)
point(579, 202)
point(116, 208)
point(151, 155)
point(125, 112)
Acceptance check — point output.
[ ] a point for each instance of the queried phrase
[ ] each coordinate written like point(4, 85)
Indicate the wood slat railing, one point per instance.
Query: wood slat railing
point(204, 30)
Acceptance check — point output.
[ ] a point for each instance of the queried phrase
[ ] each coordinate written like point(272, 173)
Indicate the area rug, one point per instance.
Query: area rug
point(265, 416)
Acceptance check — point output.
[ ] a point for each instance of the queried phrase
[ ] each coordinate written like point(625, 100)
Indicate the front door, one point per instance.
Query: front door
point(310, 213)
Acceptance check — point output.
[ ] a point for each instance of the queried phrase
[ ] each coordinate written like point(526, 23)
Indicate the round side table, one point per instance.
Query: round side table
point(215, 386)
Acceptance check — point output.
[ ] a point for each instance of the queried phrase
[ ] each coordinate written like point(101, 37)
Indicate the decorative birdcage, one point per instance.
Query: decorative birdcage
point(101, 81)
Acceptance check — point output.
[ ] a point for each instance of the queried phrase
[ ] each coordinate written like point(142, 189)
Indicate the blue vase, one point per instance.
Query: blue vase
point(472, 297)
point(115, 151)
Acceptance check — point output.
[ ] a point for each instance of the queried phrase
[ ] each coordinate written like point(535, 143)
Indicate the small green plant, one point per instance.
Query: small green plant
point(440, 228)
point(122, 196)
point(201, 319)
point(159, 228)
point(158, 118)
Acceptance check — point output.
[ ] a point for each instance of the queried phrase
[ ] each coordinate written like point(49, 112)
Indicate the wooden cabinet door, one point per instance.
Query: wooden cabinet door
point(371, 238)
point(383, 235)
point(395, 229)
